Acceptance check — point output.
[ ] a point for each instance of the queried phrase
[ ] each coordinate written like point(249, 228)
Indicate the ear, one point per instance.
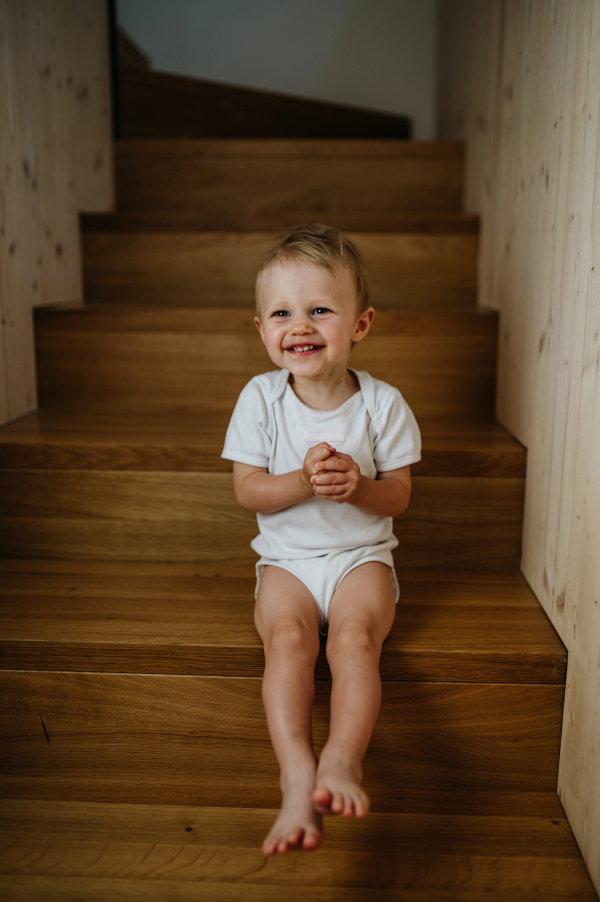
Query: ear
point(258, 325)
point(363, 324)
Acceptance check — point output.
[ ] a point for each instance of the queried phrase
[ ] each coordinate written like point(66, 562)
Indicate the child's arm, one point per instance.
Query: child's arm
point(340, 480)
point(261, 492)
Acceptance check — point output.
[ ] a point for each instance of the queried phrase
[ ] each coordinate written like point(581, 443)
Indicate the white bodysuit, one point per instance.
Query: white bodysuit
point(316, 540)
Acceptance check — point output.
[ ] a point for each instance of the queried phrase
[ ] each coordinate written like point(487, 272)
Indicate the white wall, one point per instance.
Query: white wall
point(378, 54)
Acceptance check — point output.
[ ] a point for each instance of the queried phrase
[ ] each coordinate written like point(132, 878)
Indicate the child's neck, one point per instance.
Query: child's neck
point(326, 392)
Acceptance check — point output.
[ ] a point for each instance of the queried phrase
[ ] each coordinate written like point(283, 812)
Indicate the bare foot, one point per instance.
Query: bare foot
point(338, 789)
point(299, 825)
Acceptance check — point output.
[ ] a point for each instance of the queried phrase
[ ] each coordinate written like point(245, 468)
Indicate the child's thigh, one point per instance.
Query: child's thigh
point(284, 599)
point(364, 597)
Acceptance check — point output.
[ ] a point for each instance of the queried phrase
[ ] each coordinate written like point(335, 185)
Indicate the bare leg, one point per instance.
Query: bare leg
point(287, 619)
point(361, 614)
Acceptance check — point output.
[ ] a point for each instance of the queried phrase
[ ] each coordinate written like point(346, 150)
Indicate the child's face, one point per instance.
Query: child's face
point(309, 319)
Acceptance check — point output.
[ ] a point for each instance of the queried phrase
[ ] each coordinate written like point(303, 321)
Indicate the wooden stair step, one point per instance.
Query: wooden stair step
point(116, 733)
point(202, 625)
point(165, 105)
point(117, 736)
point(144, 515)
point(212, 268)
point(131, 357)
point(288, 181)
point(58, 439)
point(71, 851)
point(206, 220)
point(189, 790)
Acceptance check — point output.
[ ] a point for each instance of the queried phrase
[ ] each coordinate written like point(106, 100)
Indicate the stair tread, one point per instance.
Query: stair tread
point(465, 446)
point(198, 792)
point(202, 220)
point(246, 828)
point(68, 850)
point(353, 147)
point(445, 630)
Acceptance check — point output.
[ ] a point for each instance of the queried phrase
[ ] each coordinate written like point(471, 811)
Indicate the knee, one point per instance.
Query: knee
point(291, 636)
point(352, 639)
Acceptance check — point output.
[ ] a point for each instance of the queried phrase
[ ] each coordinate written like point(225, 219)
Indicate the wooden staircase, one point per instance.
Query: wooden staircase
point(136, 761)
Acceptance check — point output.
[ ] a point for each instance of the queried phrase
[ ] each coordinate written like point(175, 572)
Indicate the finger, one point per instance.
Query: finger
point(333, 477)
point(324, 490)
point(322, 451)
point(335, 463)
point(329, 479)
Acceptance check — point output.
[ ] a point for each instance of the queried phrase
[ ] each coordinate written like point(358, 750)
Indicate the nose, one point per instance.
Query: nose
point(300, 324)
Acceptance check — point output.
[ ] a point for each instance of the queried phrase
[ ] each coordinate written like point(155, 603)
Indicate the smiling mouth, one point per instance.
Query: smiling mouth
point(303, 350)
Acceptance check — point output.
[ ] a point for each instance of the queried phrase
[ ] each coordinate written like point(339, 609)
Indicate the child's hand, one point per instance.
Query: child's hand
point(316, 454)
point(339, 478)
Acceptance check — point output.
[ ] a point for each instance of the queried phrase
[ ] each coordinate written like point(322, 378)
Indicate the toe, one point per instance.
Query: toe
point(361, 807)
point(322, 797)
point(312, 840)
point(269, 847)
point(337, 803)
point(348, 807)
point(293, 838)
point(290, 841)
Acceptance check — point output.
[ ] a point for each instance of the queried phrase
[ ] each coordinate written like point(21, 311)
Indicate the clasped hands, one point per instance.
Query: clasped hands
point(332, 475)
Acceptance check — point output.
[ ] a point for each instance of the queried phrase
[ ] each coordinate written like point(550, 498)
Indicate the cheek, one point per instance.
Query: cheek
point(339, 338)
point(273, 335)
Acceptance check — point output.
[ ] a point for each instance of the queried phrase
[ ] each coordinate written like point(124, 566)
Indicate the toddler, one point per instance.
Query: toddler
point(322, 454)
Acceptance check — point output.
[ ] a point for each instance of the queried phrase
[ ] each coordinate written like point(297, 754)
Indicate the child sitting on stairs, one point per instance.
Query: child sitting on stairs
point(322, 454)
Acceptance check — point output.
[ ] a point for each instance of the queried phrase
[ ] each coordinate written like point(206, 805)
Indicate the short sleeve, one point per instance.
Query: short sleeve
point(397, 440)
point(249, 434)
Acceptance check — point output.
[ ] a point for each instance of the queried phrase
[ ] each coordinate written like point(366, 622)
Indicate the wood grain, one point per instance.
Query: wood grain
point(166, 848)
point(205, 268)
point(291, 179)
point(68, 889)
point(237, 217)
point(437, 802)
point(170, 150)
point(211, 730)
point(134, 515)
point(245, 829)
point(135, 317)
point(45, 568)
point(55, 151)
point(59, 440)
point(204, 626)
point(141, 368)
point(165, 105)
point(516, 80)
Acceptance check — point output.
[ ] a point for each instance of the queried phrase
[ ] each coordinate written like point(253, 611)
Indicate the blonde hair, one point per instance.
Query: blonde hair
point(323, 246)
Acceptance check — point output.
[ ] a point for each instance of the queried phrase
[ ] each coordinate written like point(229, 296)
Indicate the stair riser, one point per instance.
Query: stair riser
point(166, 516)
point(211, 268)
point(296, 187)
point(145, 728)
point(437, 374)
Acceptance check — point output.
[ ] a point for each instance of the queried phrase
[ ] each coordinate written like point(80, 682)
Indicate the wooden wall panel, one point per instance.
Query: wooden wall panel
point(520, 82)
point(55, 158)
